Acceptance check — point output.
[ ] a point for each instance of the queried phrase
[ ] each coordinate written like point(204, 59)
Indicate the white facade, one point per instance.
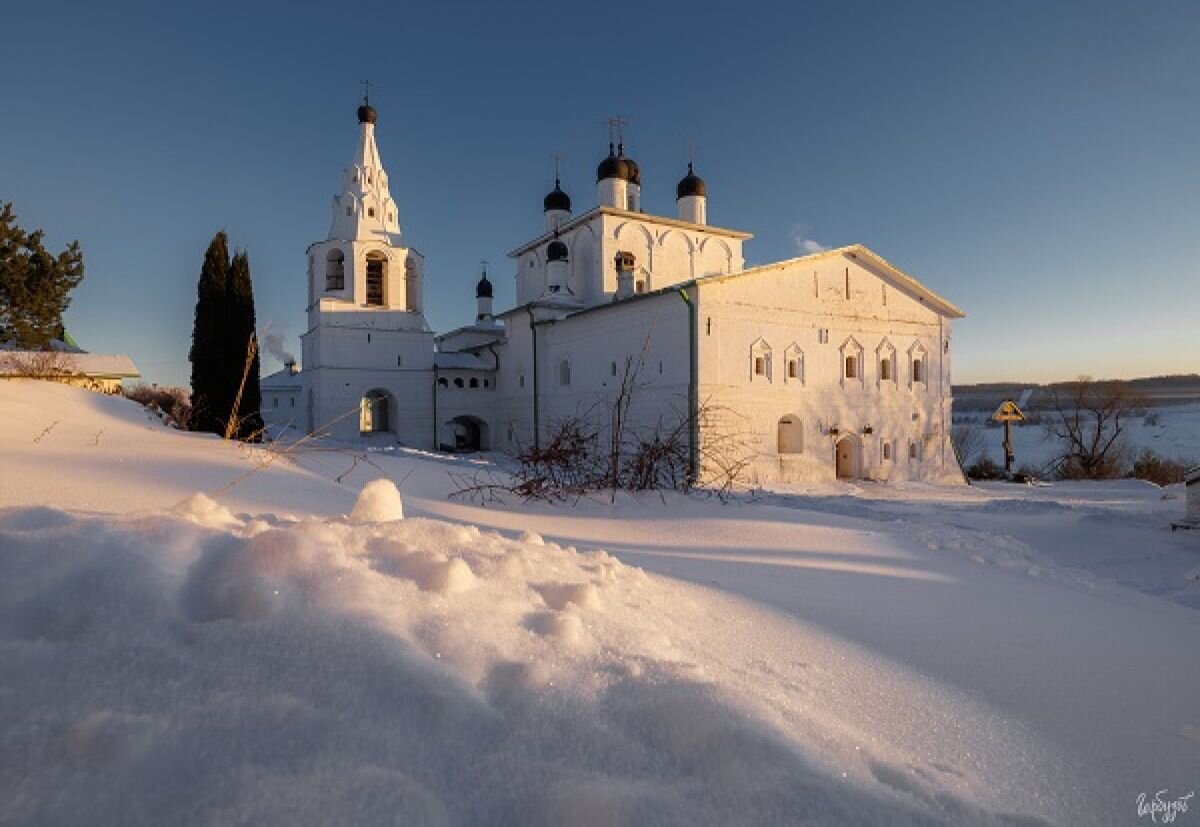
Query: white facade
point(833, 364)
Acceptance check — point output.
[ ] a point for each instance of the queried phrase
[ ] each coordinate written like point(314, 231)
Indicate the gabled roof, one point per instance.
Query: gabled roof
point(863, 255)
point(282, 379)
point(640, 216)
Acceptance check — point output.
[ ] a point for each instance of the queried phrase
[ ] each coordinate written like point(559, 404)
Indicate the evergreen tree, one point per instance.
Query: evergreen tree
point(212, 398)
point(241, 328)
point(35, 285)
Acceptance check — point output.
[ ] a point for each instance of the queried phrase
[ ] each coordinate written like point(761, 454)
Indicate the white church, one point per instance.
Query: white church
point(833, 365)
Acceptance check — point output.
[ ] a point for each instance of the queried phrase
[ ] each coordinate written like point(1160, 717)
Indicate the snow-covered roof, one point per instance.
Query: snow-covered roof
point(460, 360)
point(281, 380)
point(97, 365)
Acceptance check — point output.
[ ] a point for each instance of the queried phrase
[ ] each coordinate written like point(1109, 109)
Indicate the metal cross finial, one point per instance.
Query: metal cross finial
point(616, 125)
point(690, 154)
point(366, 85)
point(556, 158)
point(483, 263)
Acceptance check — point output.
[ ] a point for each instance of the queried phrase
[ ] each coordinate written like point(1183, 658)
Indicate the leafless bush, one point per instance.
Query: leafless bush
point(46, 364)
point(1159, 470)
point(173, 405)
point(968, 441)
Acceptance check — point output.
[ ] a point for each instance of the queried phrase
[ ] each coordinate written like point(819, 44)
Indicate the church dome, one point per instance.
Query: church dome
point(483, 290)
point(616, 165)
point(556, 251)
point(690, 184)
point(366, 113)
point(556, 199)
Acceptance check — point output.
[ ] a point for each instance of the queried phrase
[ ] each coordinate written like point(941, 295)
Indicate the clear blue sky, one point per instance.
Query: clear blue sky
point(1036, 163)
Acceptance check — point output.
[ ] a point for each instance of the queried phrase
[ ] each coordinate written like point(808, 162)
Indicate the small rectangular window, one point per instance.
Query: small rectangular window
point(851, 367)
point(885, 369)
point(293, 401)
point(760, 366)
point(918, 376)
point(912, 450)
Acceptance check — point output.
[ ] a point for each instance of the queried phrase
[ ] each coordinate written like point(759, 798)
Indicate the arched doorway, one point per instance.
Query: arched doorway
point(470, 433)
point(846, 455)
point(373, 412)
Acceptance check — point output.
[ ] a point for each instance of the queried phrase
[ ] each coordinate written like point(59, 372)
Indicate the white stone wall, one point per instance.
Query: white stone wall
point(801, 311)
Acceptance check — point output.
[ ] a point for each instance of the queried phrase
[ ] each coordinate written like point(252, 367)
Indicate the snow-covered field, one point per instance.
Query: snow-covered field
point(177, 649)
point(1171, 431)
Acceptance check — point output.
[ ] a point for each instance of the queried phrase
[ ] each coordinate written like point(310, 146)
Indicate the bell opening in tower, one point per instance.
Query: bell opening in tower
point(376, 268)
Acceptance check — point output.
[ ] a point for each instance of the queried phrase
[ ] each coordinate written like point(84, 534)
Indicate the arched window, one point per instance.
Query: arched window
point(335, 270)
point(790, 436)
point(912, 450)
point(887, 451)
point(474, 383)
point(443, 382)
point(613, 368)
point(564, 372)
point(376, 276)
point(458, 383)
point(373, 412)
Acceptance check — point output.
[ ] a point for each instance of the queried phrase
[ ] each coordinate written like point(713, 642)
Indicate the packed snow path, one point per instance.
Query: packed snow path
point(847, 657)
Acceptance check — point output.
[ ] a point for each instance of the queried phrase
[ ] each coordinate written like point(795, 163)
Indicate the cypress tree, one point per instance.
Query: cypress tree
point(241, 328)
point(211, 397)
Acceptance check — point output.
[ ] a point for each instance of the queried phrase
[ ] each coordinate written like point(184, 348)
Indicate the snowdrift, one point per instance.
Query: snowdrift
point(195, 666)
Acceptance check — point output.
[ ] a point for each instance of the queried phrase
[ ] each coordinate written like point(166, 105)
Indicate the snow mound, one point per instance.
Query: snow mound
point(196, 666)
point(205, 511)
point(378, 502)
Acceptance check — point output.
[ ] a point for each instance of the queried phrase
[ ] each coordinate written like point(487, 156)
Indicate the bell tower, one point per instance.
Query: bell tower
point(367, 337)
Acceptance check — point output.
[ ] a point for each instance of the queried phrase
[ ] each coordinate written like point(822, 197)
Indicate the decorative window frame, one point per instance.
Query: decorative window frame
point(848, 348)
point(760, 349)
point(886, 350)
point(915, 353)
point(793, 354)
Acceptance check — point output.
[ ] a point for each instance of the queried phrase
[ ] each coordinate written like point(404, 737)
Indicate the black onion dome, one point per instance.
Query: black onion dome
point(483, 290)
point(616, 166)
point(635, 172)
point(366, 113)
point(556, 199)
point(556, 251)
point(690, 184)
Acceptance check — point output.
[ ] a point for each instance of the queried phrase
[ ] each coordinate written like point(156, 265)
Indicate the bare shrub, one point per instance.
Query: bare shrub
point(1157, 469)
point(172, 405)
point(968, 441)
point(42, 364)
point(986, 469)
